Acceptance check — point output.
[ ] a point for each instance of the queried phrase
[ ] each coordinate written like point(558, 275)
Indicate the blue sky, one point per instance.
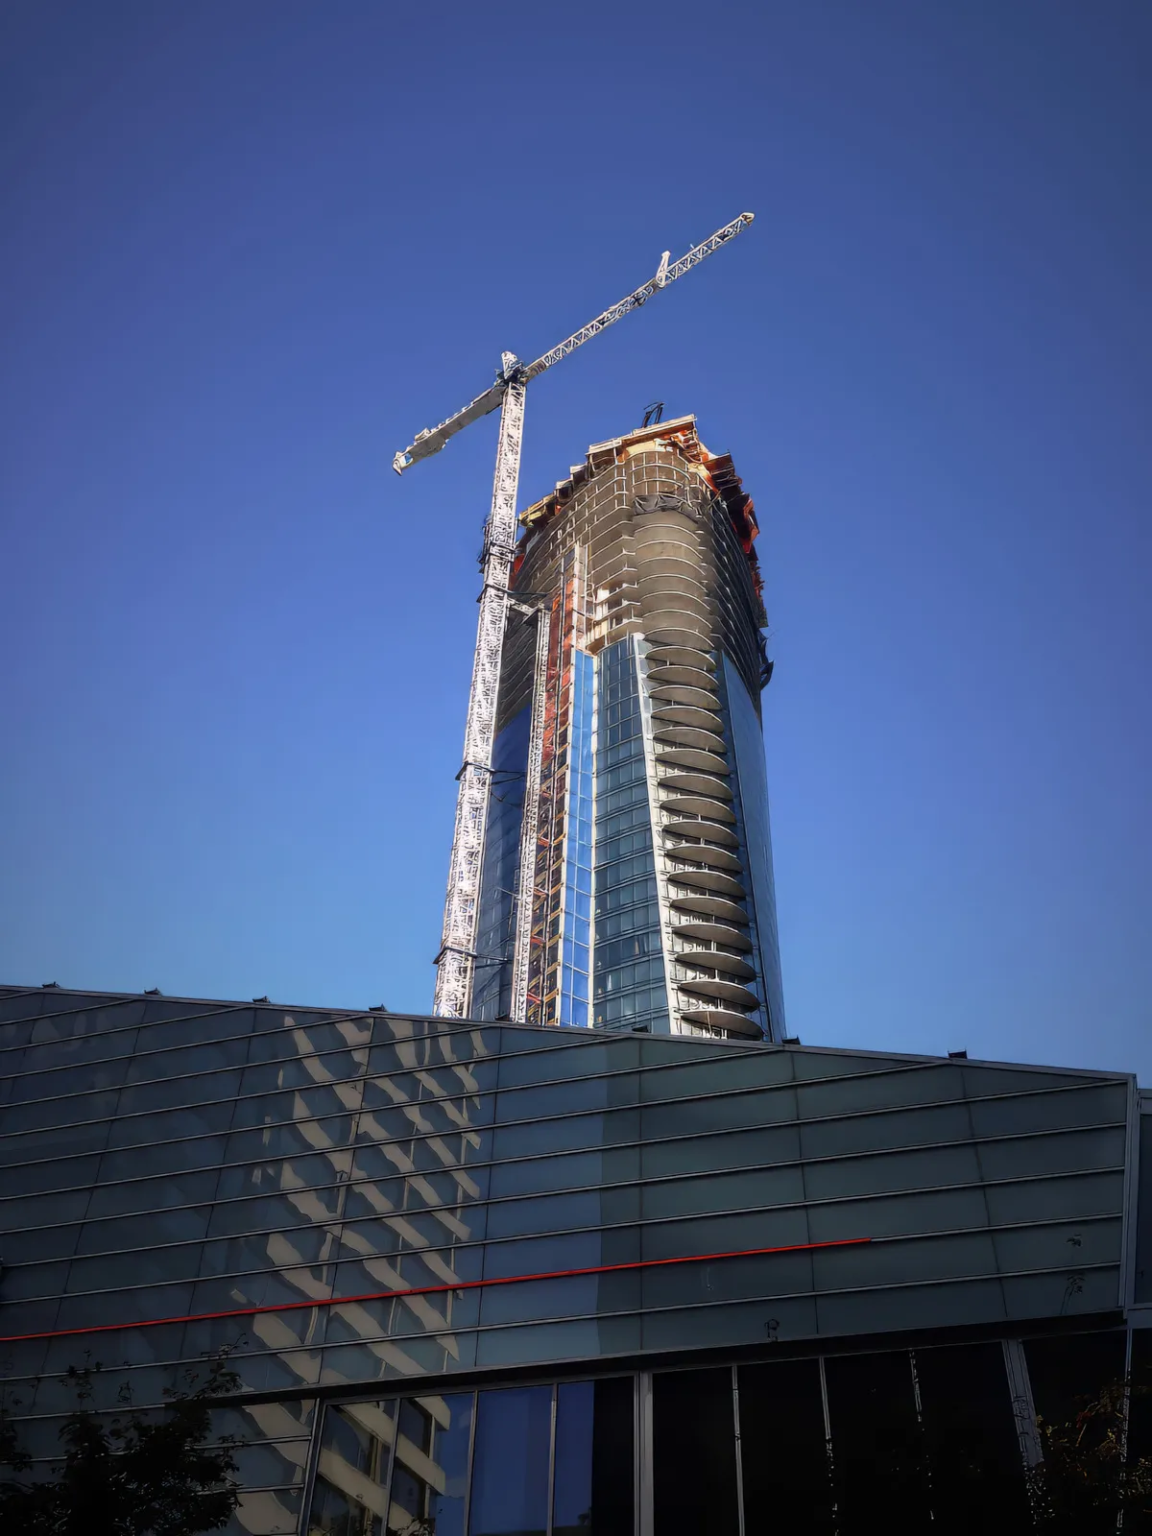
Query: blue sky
point(249, 250)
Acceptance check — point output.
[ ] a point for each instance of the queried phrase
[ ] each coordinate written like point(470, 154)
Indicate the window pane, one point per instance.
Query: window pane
point(1144, 1213)
point(352, 1476)
point(783, 1452)
point(973, 1449)
point(1140, 1405)
point(510, 1467)
point(593, 1477)
point(1066, 1374)
point(694, 1453)
point(1065, 1371)
point(431, 1475)
point(877, 1446)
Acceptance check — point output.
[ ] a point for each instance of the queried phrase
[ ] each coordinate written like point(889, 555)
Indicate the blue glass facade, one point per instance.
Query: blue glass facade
point(492, 993)
point(630, 988)
point(462, 1262)
point(651, 900)
point(576, 948)
point(746, 738)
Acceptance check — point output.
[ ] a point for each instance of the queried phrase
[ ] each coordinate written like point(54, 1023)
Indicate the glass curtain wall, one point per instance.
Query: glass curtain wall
point(900, 1441)
point(496, 934)
point(747, 738)
point(629, 983)
point(575, 957)
point(516, 1461)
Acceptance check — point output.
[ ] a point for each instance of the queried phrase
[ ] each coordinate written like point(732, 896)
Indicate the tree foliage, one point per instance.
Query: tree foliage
point(1088, 1476)
point(127, 1473)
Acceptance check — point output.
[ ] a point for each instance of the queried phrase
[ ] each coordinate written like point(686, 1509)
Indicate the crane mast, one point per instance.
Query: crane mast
point(456, 961)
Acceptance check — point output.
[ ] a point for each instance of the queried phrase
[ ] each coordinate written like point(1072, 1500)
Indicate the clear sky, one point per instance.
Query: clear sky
point(248, 250)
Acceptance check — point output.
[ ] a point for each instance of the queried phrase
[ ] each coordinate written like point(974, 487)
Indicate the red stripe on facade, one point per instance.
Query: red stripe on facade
point(429, 1290)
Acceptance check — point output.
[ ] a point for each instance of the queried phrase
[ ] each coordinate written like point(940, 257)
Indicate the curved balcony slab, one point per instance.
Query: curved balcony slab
point(681, 656)
point(708, 905)
point(702, 854)
point(673, 636)
point(684, 580)
point(731, 965)
point(688, 714)
point(689, 757)
point(679, 782)
point(704, 829)
point(718, 991)
point(724, 1019)
point(697, 805)
point(671, 565)
point(713, 933)
point(708, 880)
point(688, 736)
point(684, 685)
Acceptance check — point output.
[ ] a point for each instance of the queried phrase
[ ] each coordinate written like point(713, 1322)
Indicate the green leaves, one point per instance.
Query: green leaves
point(1086, 1477)
point(130, 1473)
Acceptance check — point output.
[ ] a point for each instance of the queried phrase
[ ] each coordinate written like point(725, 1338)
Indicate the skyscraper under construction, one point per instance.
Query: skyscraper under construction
point(627, 873)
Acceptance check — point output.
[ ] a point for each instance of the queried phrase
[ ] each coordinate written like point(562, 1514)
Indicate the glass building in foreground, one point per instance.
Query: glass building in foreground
point(500, 1280)
point(629, 796)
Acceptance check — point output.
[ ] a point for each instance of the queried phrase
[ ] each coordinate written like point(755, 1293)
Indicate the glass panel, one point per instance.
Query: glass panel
point(867, 1133)
point(150, 1065)
point(43, 1210)
point(1071, 1197)
point(694, 1453)
point(510, 1465)
point(1065, 1152)
point(1140, 1405)
point(1143, 1291)
point(192, 1120)
point(973, 1449)
point(60, 1112)
point(783, 1451)
point(877, 1446)
point(431, 1476)
point(178, 1092)
point(879, 1090)
point(593, 1477)
point(697, 1117)
point(1066, 1374)
point(1065, 1371)
point(352, 1474)
point(152, 1194)
point(39, 1178)
point(924, 1169)
point(1097, 1105)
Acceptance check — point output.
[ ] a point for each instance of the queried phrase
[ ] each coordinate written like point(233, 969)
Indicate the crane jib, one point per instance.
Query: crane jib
point(455, 963)
point(432, 439)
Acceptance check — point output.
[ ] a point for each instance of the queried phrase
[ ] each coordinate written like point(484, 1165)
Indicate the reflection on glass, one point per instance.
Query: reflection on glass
point(694, 1454)
point(431, 1474)
point(783, 1451)
point(592, 1478)
point(363, 1489)
point(977, 1477)
point(878, 1459)
point(510, 1469)
point(352, 1477)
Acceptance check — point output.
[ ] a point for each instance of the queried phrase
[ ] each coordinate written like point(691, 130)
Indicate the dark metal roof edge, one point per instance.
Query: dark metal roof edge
point(576, 1368)
point(574, 1036)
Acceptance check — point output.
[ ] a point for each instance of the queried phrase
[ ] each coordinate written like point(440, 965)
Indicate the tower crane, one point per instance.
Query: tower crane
point(457, 958)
